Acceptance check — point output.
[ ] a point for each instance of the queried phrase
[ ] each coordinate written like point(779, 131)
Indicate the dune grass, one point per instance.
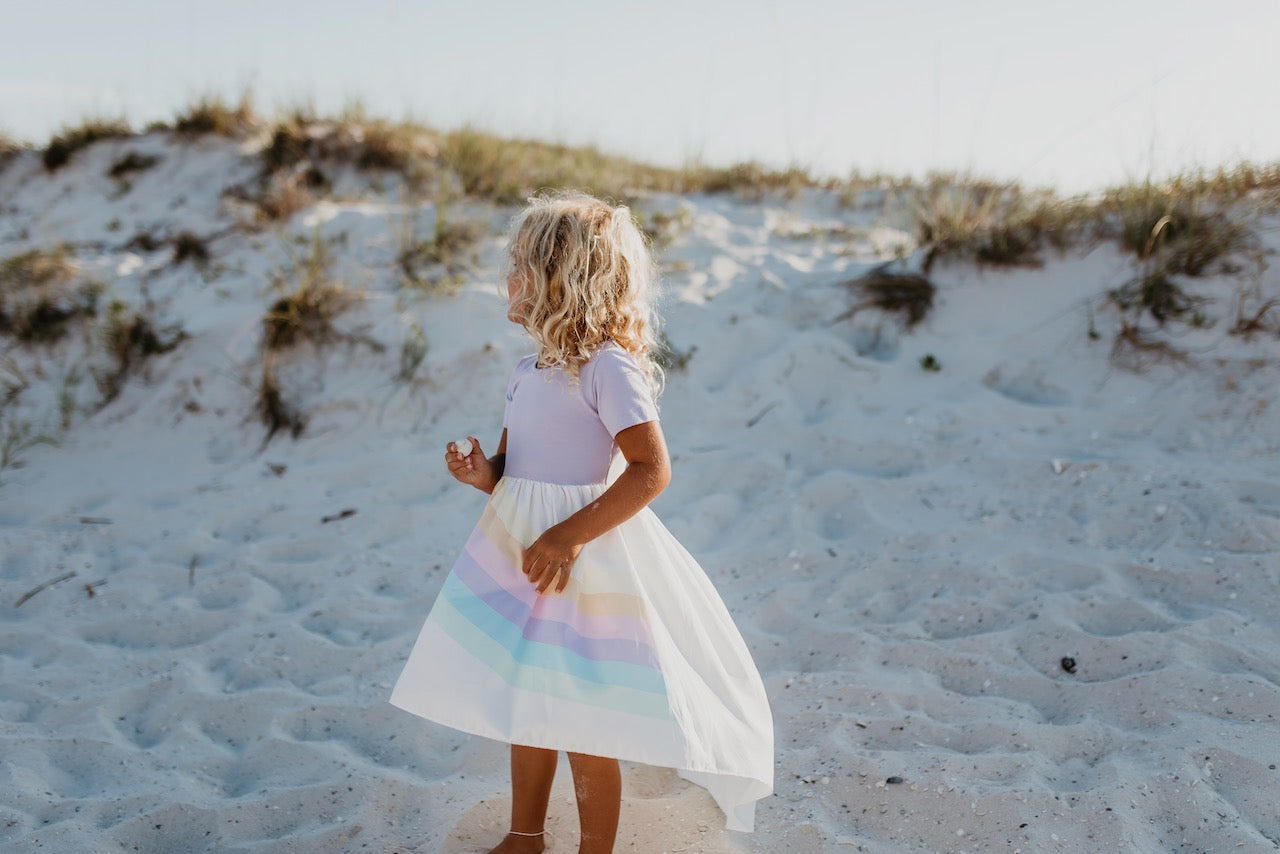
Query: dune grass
point(129, 339)
point(306, 311)
point(434, 263)
point(669, 357)
point(39, 298)
point(749, 179)
point(72, 139)
point(131, 163)
point(990, 223)
point(370, 145)
point(9, 149)
point(310, 301)
point(508, 171)
point(901, 292)
point(1177, 229)
point(274, 411)
point(301, 148)
point(189, 246)
point(1250, 321)
point(1187, 228)
point(211, 114)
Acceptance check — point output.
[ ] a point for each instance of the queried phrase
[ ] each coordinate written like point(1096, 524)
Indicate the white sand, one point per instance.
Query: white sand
point(910, 555)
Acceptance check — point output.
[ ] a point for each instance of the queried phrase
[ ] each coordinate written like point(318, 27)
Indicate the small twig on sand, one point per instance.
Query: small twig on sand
point(350, 511)
point(35, 590)
point(94, 520)
point(755, 419)
point(92, 586)
point(191, 571)
point(1248, 327)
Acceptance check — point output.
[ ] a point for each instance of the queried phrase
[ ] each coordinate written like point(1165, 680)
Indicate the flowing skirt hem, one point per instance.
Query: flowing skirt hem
point(637, 659)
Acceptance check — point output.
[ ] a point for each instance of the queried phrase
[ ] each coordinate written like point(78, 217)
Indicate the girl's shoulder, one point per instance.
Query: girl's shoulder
point(524, 367)
point(618, 389)
point(610, 359)
point(613, 367)
point(610, 352)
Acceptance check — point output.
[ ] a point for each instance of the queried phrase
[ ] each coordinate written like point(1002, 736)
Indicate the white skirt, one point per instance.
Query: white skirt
point(636, 659)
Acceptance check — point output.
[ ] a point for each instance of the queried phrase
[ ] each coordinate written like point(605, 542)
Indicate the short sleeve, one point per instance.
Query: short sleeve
point(623, 396)
point(522, 367)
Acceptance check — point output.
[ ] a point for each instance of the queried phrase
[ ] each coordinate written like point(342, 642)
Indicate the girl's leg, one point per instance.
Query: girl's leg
point(597, 782)
point(532, 771)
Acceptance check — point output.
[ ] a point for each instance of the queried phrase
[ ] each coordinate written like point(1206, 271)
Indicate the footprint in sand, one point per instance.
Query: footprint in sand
point(1028, 385)
point(878, 341)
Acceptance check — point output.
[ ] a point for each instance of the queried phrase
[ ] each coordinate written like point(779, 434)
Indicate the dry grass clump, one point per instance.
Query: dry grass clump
point(660, 228)
point(129, 339)
point(274, 411)
point(1247, 324)
point(412, 351)
point(860, 187)
point(212, 115)
point(302, 148)
point(290, 143)
point(8, 149)
point(749, 180)
point(1156, 292)
point(307, 312)
point(991, 223)
point(289, 191)
point(907, 294)
point(1135, 350)
point(444, 251)
point(394, 147)
point(439, 261)
point(369, 145)
point(13, 381)
point(37, 299)
point(188, 246)
point(304, 314)
point(508, 171)
point(1186, 228)
point(17, 437)
point(132, 162)
point(1230, 183)
point(60, 149)
point(143, 241)
point(1202, 224)
point(669, 357)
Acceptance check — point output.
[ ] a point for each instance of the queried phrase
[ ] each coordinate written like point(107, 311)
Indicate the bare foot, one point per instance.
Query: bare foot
point(520, 845)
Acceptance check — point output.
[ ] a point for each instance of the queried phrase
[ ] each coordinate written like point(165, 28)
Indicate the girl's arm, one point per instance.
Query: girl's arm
point(476, 469)
point(549, 560)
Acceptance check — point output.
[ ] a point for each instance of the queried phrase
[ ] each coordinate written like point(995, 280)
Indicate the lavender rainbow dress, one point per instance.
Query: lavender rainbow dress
point(637, 658)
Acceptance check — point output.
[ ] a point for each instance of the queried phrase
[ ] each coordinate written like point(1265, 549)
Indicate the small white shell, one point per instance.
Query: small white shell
point(464, 447)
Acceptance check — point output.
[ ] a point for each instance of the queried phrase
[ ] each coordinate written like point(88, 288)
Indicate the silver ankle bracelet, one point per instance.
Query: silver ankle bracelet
point(518, 833)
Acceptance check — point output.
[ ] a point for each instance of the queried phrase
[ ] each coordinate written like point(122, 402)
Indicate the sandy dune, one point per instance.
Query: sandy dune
point(910, 555)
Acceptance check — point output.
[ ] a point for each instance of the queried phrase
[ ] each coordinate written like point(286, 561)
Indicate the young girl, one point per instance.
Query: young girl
point(573, 620)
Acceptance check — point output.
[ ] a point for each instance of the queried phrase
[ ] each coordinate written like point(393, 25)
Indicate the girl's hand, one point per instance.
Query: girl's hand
point(473, 469)
point(549, 561)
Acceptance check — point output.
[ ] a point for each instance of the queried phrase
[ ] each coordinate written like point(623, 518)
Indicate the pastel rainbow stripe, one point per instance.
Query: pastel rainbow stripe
point(593, 647)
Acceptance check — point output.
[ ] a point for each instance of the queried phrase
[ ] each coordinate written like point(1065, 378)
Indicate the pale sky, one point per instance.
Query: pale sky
point(1076, 95)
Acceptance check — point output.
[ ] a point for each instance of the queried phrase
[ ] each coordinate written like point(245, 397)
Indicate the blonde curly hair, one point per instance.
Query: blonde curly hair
point(585, 277)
